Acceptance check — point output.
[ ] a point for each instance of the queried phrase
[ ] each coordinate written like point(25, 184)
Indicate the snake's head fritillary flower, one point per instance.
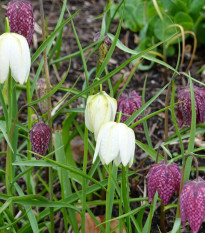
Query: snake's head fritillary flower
point(100, 108)
point(115, 142)
point(165, 178)
point(192, 204)
point(40, 137)
point(128, 104)
point(14, 54)
point(21, 18)
point(184, 108)
point(41, 91)
point(104, 47)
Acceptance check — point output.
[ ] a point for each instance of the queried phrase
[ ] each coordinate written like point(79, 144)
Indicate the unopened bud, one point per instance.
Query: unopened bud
point(21, 18)
point(40, 137)
point(41, 91)
point(104, 47)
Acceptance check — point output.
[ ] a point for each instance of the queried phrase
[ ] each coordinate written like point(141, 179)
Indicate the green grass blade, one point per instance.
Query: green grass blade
point(30, 213)
point(192, 133)
point(151, 152)
point(50, 38)
point(146, 130)
point(139, 111)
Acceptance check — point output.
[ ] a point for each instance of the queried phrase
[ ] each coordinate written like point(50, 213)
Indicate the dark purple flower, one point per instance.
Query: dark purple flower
point(184, 108)
point(128, 104)
point(104, 47)
point(41, 91)
point(21, 18)
point(192, 204)
point(165, 178)
point(40, 137)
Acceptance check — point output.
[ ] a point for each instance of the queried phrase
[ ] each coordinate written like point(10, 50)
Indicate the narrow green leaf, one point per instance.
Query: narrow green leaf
point(139, 111)
point(192, 133)
point(177, 225)
point(151, 152)
point(121, 46)
point(3, 130)
point(53, 90)
point(51, 37)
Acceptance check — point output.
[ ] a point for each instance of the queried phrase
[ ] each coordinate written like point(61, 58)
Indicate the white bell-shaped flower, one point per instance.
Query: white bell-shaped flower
point(100, 108)
point(116, 142)
point(14, 54)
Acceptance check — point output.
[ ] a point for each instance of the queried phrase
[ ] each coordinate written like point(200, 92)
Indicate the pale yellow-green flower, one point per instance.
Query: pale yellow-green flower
point(115, 142)
point(14, 54)
point(100, 109)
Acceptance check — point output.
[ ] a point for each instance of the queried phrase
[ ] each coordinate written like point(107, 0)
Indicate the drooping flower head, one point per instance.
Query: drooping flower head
point(41, 91)
point(128, 104)
point(40, 137)
point(184, 108)
point(104, 47)
point(100, 108)
point(14, 54)
point(192, 204)
point(165, 178)
point(115, 142)
point(21, 18)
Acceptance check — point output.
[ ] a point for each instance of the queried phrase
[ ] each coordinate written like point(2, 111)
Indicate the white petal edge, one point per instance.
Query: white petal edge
point(4, 56)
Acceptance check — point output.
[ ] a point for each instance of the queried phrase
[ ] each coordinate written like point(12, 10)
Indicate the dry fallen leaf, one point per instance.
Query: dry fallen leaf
point(91, 226)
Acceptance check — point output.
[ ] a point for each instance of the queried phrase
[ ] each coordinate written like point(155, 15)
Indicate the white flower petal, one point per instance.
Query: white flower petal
point(19, 58)
point(4, 56)
point(109, 144)
point(131, 139)
point(124, 144)
point(113, 106)
point(88, 121)
point(100, 109)
point(101, 106)
point(118, 160)
point(99, 141)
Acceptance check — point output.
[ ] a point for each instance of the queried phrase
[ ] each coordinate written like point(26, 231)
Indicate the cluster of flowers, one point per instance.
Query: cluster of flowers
point(15, 56)
point(115, 141)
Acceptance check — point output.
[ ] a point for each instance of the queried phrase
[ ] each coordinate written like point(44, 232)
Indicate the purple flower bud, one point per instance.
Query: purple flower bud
point(40, 137)
point(128, 104)
point(41, 91)
point(165, 179)
point(184, 108)
point(21, 18)
point(104, 47)
point(192, 204)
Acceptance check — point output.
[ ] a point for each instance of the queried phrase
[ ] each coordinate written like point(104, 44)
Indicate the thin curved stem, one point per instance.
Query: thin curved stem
point(107, 212)
point(49, 114)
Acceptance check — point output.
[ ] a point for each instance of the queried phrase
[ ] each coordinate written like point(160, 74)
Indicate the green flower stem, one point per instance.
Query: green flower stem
point(109, 83)
point(8, 155)
point(119, 117)
point(85, 158)
point(29, 99)
point(107, 213)
point(125, 196)
point(49, 116)
point(162, 218)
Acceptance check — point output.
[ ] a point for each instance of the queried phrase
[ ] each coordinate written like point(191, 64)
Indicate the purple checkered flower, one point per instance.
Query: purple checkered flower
point(40, 137)
point(184, 108)
point(192, 204)
point(21, 18)
point(165, 178)
point(128, 104)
